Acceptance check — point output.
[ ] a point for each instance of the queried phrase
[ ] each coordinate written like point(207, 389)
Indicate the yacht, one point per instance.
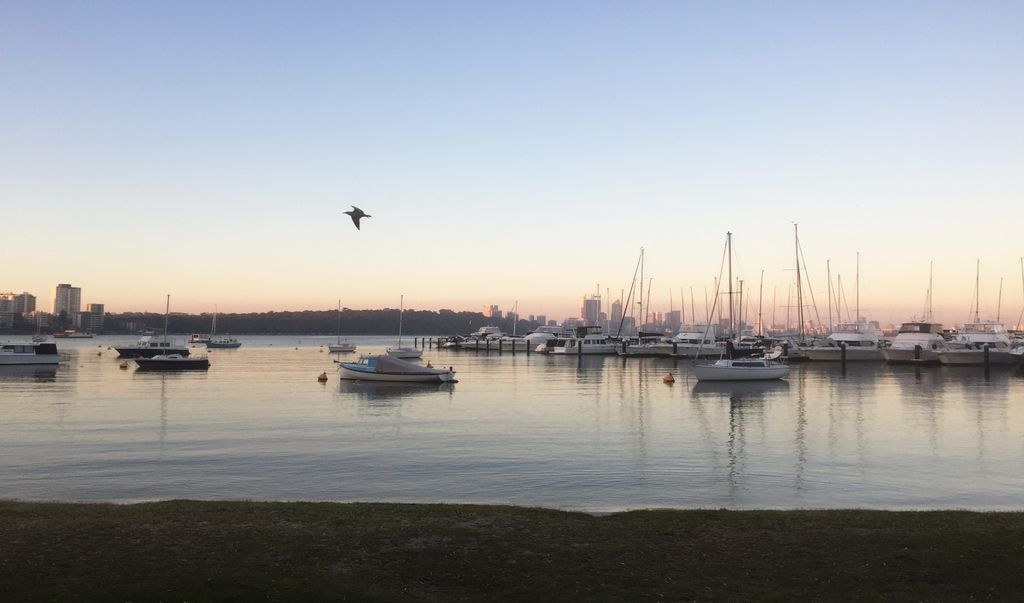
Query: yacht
point(148, 346)
point(223, 342)
point(968, 345)
point(484, 338)
point(390, 368)
point(862, 340)
point(28, 353)
point(917, 341)
point(172, 362)
point(590, 340)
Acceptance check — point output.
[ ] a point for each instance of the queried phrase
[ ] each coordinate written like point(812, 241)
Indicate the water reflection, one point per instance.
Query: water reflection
point(739, 391)
point(391, 392)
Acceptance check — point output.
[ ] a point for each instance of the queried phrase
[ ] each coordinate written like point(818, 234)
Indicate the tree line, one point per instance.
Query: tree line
point(314, 322)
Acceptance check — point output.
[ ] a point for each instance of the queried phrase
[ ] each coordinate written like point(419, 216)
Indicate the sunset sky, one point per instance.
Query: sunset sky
point(509, 151)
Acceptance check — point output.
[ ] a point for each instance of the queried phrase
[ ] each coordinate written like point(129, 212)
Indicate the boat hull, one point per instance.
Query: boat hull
point(356, 374)
point(977, 358)
point(904, 356)
point(174, 364)
point(405, 353)
point(223, 345)
point(337, 348)
point(835, 354)
point(731, 373)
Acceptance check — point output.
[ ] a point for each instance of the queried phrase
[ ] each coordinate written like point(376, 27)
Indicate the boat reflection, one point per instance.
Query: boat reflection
point(739, 390)
point(33, 372)
point(372, 391)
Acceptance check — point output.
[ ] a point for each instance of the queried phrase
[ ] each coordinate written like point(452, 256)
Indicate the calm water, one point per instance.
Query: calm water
point(595, 433)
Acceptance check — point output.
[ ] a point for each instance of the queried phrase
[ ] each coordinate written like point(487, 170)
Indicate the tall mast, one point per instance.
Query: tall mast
point(693, 308)
point(828, 270)
point(799, 284)
point(857, 287)
point(931, 272)
point(643, 317)
point(760, 299)
point(977, 290)
point(999, 306)
point(167, 312)
point(401, 310)
point(728, 244)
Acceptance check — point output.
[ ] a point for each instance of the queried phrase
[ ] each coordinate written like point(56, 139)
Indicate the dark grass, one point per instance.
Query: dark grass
point(242, 551)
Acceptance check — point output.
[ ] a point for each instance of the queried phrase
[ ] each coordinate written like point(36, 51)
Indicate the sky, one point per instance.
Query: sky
point(510, 152)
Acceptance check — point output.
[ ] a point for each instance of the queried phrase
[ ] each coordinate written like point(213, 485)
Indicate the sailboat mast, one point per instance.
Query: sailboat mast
point(167, 313)
point(760, 300)
point(799, 284)
point(931, 272)
point(401, 310)
point(856, 281)
point(999, 306)
point(977, 290)
point(728, 244)
point(641, 292)
point(828, 271)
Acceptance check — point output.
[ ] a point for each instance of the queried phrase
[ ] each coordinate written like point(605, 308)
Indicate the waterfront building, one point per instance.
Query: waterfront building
point(67, 299)
point(492, 312)
point(91, 321)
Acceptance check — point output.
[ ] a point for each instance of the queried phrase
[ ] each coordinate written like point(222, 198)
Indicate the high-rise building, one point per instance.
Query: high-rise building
point(67, 299)
point(616, 311)
point(92, 319)
point(590, 309)
point(18, 303)
point(492, 312)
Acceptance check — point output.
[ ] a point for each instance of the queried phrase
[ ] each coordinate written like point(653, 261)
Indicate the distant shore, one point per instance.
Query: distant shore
point(188, 550)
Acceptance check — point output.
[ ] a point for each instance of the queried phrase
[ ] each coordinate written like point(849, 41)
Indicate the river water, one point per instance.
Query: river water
point(592, 433)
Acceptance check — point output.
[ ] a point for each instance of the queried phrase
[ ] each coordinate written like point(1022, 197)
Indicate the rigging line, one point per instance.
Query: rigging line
point(707, 327)
point(807, 277)
point(629, 299)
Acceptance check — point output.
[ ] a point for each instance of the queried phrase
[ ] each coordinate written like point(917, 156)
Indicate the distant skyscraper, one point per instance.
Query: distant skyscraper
point(18, 303)
point(590, 310)
point(67, 299)
point(616, 311)
point(492, 312)
point(542, 319)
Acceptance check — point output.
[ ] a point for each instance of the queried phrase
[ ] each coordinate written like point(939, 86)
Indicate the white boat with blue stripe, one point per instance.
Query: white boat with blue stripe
point(389, 368)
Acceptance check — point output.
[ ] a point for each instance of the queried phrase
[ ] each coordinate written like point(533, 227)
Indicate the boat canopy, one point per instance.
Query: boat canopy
point(921, 327)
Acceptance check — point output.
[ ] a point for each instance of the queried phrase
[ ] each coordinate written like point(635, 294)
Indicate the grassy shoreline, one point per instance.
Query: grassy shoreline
point(197, 551)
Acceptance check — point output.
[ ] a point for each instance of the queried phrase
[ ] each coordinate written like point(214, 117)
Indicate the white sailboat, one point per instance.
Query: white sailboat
point(341, 346)
point(398, 351)
point(733, 367)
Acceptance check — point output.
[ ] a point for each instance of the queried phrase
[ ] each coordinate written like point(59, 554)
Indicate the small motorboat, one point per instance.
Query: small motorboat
point(741, 369)
point(173, 362)
point(404, 353)
point(385, 367)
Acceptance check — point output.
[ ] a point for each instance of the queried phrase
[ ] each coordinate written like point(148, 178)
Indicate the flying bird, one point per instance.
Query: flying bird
point(356, 214)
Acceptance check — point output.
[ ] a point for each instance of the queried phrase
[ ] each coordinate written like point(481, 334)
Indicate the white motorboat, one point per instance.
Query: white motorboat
point(969, 343)
point(28, 353)
point(389, 368)
point(741, 369)
point(484, 338)
point(589, 340)
point(861, 339)
point(916, 342)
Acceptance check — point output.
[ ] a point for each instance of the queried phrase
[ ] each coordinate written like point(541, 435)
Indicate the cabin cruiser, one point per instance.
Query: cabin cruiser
point(968, 344)
point(861, 339)
point(590, 340)
point(697, 339)
point(28, 353)
point(484, 338)
point(147, 346)
point(917, 341)
point(224, 342)
point(389, 368)
point(172, 362)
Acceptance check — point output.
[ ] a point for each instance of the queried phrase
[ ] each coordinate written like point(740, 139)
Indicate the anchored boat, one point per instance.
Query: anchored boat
point(389, 368)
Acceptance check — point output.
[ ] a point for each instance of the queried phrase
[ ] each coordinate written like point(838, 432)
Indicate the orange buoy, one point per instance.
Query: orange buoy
point(668, 378)
point(322, 377)
point(124, 364)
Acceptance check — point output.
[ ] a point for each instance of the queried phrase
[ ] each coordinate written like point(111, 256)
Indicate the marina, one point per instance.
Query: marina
point(595, 433)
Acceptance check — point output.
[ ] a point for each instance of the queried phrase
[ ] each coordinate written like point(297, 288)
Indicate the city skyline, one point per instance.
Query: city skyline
point(515, 153)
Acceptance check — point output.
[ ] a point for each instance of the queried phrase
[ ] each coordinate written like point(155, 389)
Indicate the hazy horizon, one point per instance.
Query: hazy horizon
point(521, 152)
